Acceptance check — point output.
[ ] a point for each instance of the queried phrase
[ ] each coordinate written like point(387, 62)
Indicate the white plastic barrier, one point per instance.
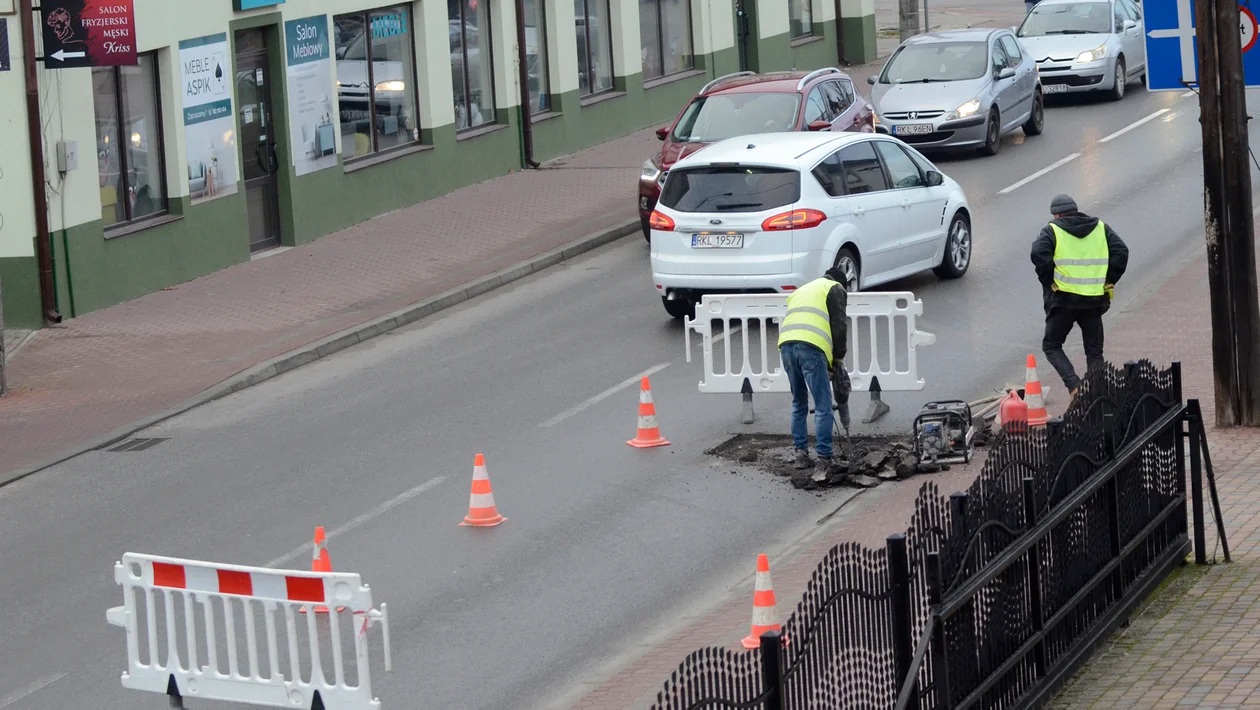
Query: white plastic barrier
point(877, 321)
point(180, 656)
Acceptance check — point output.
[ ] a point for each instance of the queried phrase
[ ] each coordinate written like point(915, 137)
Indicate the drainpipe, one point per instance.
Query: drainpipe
point(43, 247)
point(522, 59)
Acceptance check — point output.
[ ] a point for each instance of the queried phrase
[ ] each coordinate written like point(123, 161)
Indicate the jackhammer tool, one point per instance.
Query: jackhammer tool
point(841, 388)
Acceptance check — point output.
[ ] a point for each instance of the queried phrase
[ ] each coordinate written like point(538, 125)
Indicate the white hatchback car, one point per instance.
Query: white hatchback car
point(768, 213)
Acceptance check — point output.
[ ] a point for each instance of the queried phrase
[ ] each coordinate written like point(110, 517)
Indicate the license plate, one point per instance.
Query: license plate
point(717, 241)
point(1054, 88)
point(915, 129)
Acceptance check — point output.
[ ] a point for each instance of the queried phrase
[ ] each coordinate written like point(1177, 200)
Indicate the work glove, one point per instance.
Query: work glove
point(1110, 290)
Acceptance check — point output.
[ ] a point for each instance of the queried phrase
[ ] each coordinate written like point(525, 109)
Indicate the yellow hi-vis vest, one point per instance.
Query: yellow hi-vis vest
point(1080, 265)
point(806, 320)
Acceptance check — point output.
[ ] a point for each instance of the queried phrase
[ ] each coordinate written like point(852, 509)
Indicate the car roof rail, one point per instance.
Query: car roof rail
point(721, 79)
point(817, 72)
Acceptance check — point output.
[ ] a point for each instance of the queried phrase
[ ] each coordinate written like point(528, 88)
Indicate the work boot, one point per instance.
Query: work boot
point(802, 461)
point(825, 463)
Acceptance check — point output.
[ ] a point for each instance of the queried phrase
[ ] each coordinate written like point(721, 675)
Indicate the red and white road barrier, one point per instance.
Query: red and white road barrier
point(177, 613)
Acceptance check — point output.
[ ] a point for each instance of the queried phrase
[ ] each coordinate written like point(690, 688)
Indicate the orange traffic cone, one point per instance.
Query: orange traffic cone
point(649, 434)
point(482, 512)
point(765, 615)
point(1033, 396)
point(320, 562)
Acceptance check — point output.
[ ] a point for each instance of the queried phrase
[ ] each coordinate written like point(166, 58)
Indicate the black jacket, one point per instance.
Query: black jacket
point(837, 302)
point(1078, 225)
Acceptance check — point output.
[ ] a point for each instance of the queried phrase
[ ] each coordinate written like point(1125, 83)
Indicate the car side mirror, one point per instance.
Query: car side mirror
point(819, 125)
point(934, 178)
point(1129, 24)
point(662, 133)
point(1006, 73)
point(871, 80)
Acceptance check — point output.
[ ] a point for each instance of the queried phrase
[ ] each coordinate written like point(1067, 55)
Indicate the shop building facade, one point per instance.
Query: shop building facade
point(251, 124)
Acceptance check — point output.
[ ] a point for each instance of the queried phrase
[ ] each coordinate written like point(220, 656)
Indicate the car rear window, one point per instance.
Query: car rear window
point(710, 119)
point(730, 189)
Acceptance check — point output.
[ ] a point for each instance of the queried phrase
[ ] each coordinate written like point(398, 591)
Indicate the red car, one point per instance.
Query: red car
point(747, 103)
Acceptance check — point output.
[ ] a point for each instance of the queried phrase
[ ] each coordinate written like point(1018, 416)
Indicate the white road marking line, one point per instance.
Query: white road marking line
point(725, 335)
point(356, 522)
point(1135, 124)
point(1187, 95)
point(1039, 173)
point(603, 395)
point(30, 689)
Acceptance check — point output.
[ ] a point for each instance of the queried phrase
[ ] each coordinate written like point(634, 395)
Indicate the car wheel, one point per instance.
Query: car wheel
point(647, 230)
point(679, 307)
point(992, 135)
point(957, 257)
point(848, 264)
point(1117, 91)
point(1037, 121)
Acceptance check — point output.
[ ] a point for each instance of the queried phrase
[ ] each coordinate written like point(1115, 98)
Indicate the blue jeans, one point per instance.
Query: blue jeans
point(806, 368)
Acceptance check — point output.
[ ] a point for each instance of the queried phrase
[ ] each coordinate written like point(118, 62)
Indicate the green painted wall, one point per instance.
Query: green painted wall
point(778, 53)
point(19, 281)
point(859, 39)
point(102, 272)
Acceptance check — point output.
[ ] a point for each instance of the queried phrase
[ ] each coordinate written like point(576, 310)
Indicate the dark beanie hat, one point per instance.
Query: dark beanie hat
point(1062, 204)
point(835, 274)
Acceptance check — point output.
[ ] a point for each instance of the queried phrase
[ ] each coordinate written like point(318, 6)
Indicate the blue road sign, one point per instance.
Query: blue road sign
point(1172, 51)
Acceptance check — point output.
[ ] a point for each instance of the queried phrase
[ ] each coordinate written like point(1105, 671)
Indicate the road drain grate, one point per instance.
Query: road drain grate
point(135, 445)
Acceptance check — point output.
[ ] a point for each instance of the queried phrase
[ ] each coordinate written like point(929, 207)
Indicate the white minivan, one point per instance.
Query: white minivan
point(768, 213)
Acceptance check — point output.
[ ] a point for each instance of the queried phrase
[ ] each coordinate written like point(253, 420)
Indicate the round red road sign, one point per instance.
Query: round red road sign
point(1247, 26)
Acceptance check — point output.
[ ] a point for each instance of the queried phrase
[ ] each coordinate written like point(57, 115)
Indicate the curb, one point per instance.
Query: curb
point(337, 342)
point(11, 351)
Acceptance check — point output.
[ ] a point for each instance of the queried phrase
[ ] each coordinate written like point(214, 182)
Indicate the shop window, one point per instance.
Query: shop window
point(472, 62)
point(593, 19)
point(376, 81)
point(800, 18)
point(129, 141)
point(536, 54)
point(665, 35)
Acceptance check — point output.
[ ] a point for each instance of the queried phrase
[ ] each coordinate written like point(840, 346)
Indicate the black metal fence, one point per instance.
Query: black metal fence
point(995, 595)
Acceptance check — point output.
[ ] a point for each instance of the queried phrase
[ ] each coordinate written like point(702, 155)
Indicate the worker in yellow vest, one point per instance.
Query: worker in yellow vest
point(813, 338)
point(1078, 261)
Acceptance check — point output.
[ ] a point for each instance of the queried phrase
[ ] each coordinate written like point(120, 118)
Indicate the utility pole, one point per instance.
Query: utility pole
point(1229, 227)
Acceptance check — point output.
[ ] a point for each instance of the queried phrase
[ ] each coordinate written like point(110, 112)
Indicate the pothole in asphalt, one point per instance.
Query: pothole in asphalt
point(872, 460)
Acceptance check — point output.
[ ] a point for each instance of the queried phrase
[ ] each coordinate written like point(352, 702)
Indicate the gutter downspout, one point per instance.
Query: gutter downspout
point(43, 245)
point(522, 60)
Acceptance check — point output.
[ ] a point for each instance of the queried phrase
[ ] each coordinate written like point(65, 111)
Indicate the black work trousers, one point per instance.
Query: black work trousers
point(1059, 322)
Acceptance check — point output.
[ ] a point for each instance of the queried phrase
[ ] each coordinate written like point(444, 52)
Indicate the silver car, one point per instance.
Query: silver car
point(1086, 45)
point(958, 89)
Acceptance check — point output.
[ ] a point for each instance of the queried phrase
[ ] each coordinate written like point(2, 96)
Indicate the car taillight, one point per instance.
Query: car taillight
point(661, 222)
point(796, 219)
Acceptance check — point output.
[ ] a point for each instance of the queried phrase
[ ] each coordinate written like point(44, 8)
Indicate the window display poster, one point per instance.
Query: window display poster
point(309, 66)
point(209, 128)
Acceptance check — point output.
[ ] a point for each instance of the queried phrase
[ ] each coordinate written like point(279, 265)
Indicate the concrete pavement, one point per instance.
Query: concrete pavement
point(613, 559)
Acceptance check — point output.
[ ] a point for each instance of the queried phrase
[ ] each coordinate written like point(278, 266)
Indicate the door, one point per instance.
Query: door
point(1025, 73)
point(874, 209)
point(1005, 91)
point(1129, 26)
point(258, 134)
point(921, 208)
point(745, 27)
point(840, 105)
point(817, 108)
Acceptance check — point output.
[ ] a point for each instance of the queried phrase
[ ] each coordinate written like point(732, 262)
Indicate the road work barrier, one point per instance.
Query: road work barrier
point(194, 631)
point(882, 353)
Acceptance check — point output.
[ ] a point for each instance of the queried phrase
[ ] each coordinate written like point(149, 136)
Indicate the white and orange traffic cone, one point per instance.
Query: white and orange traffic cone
point(649, 434)
point(765, 616)
point(482, 512)
point(320, 562)
point(1033, 396)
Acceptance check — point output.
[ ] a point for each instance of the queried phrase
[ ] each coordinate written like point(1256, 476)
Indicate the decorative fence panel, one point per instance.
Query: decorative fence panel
point(994, 595)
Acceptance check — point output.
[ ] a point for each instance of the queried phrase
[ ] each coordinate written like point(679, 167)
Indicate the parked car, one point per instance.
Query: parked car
point(768, 213)
point(958, 89)
point(746, 102)
point(1086, 46)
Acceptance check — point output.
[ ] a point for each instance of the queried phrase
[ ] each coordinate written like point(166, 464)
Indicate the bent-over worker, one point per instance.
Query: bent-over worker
point(1078, 261)
point(813, 338)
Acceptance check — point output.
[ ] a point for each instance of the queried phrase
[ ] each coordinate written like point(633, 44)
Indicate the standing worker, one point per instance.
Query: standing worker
point(813, 338)
point(1078, 261)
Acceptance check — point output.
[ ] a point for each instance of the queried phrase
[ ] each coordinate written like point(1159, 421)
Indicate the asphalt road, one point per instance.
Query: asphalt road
point(605, 544)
